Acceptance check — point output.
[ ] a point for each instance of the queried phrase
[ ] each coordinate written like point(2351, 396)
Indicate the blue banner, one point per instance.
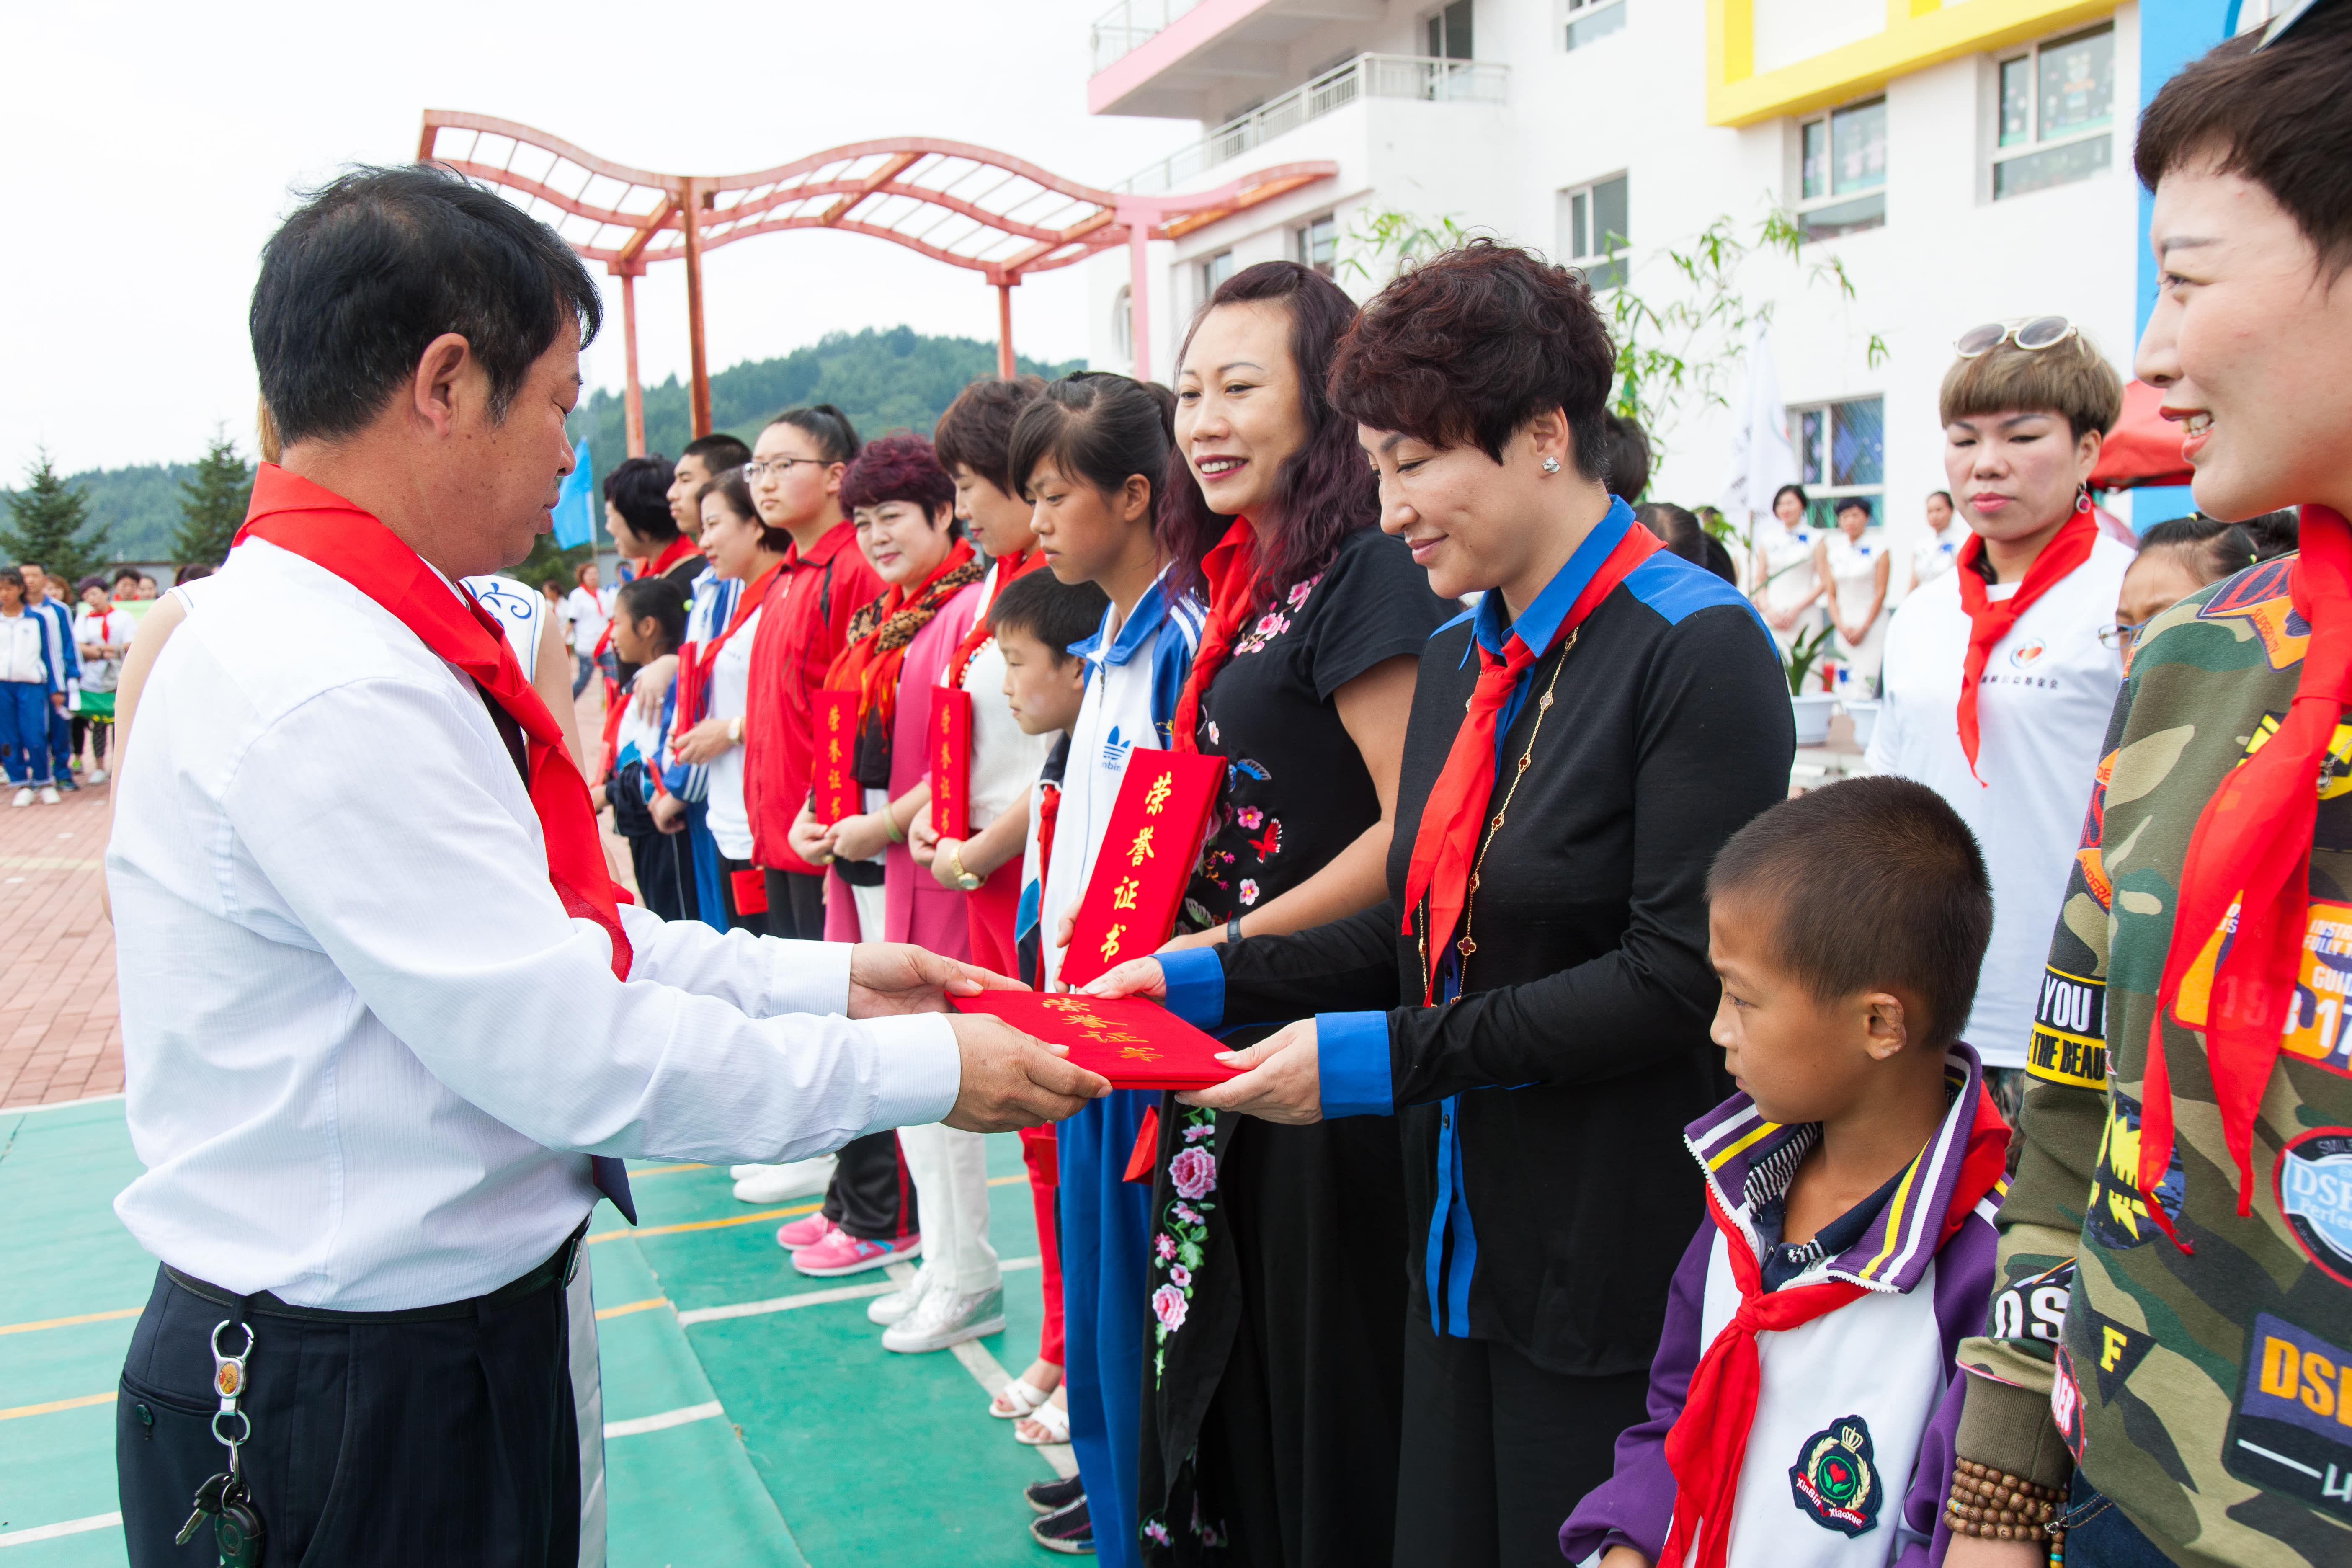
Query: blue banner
point(575, 503)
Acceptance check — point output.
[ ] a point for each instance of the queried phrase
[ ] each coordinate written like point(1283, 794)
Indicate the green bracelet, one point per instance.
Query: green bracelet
point(890, 826)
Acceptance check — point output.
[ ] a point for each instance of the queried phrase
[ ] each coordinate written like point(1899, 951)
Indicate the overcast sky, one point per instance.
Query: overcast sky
point(152, 151)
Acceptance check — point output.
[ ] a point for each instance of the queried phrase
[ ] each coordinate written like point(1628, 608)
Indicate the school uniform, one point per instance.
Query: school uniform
point(1544, 1049)
point(1135, 672)
point(31, 671)
point(713, 607)
point(68, 654)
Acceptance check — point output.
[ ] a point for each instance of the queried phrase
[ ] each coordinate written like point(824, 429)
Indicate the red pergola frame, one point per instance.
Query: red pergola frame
point(969, 206)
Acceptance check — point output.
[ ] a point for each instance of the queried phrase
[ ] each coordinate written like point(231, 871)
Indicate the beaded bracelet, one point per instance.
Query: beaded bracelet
point(1994, 1505)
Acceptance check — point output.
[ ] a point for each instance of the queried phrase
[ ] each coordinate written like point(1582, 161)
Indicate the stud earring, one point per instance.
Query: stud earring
point(1551, 465)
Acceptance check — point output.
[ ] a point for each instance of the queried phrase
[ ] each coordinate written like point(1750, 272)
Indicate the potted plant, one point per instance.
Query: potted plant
point(1813, 712)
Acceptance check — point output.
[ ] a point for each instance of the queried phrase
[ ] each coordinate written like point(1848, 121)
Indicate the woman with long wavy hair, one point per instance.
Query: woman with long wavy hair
point(1271, 1399)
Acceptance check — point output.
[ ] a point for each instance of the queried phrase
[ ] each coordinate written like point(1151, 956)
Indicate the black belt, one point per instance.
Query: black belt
point(556, 1270)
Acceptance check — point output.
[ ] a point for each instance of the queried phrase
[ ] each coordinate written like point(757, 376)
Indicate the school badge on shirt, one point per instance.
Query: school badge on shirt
point(1834, 1481)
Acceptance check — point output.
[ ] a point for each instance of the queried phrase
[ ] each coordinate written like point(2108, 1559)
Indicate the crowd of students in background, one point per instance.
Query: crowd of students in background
point(61, 649)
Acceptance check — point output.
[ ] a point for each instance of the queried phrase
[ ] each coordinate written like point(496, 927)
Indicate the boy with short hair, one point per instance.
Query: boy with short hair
point(650, 621)
point(1802, 1399)
point(1034, 621)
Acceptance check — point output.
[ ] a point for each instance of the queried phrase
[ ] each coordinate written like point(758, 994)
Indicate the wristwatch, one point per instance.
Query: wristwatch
point(963, 878)
point(735, 730)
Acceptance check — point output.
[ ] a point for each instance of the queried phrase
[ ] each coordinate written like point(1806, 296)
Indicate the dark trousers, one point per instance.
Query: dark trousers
point(795, 906)
point(1498, 1452)
point(97, 730)
point(871, 1196)
point(393, 1443)
point(664, 863)
point(61, 746)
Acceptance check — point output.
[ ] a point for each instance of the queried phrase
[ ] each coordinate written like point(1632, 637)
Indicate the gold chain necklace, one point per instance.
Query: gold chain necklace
point(1465, 946)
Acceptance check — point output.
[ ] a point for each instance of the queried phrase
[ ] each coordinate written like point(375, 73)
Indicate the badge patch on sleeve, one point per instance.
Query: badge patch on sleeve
point(2070, 1031)
point(2315, 1195)
point(2117, 1216)
point(1834, 1481)
point(2291, 1430)
point(2034, 1307)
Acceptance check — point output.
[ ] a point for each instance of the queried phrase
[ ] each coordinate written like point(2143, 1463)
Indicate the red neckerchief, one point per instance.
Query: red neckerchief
point(329, 531)
point(676, 551)
point(2245, 883)
point(1708, 1442)
point(1989, 622)
point(869, 662)
point(693, 669)
point(1447, 842)
point(1008, 569)
point(1229, 570)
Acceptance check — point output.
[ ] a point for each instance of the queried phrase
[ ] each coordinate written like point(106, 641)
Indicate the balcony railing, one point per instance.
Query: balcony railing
point(1366, 76)
point(1131, 23)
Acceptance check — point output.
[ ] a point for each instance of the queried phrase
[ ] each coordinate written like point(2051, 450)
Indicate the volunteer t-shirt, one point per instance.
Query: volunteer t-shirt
point(730, 682)
point(2042, 712)
point(590, 614)
point(92, 629)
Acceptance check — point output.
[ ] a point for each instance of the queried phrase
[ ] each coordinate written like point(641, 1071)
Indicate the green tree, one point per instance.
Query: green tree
point(212, 504)
point(49, 522)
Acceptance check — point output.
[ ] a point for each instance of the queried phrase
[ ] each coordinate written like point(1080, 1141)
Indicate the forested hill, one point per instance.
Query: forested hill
point(892, 379)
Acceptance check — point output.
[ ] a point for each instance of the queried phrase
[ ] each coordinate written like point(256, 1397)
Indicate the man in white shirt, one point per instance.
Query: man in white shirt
point(590, 610)
point(374, 1018)
point(2022, 433)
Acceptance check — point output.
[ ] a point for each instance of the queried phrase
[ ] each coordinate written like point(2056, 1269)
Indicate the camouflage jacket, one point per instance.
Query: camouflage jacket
point(2206, 1392)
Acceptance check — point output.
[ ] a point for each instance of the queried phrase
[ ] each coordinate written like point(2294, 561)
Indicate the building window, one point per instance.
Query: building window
point(1448, 32)
point(1319, 244)
point(1594, 230)
point(1215, 270)
point(1590, 19)
point(1122, 323)
point(1842, 451)
point(2057, 113)
point(1841, 176)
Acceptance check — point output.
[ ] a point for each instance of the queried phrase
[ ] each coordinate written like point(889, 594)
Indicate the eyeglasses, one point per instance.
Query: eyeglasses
point(2119, 638)
point(780, 466)
point(2281, 24)
point(2033, 335)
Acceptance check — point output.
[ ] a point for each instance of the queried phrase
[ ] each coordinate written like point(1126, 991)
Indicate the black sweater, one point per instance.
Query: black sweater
point(1580, 1049)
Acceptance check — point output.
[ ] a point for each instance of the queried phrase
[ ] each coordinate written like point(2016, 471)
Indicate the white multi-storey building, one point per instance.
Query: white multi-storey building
point(1963, 161)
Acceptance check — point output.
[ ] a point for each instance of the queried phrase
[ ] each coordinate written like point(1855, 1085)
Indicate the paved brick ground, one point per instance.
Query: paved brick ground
point(60, 1032)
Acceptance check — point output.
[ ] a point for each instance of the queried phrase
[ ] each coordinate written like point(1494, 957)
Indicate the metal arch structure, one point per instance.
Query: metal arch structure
point(968, 207)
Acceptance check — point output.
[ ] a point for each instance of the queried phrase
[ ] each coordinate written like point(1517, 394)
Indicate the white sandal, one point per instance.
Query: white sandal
point(1018, 1398)
point(1054, 1419)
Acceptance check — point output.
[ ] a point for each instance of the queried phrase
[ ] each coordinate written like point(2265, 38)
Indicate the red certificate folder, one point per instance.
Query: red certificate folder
point(1135, 1043)
point(950, 734)
point(1146, 860)
point(833, 792)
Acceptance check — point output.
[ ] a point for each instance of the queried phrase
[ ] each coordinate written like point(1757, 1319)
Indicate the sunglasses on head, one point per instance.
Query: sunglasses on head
point(2033, 335)
point(2285, 22)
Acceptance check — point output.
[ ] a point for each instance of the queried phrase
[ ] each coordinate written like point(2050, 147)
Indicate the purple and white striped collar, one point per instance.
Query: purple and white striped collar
point(1746, 1158)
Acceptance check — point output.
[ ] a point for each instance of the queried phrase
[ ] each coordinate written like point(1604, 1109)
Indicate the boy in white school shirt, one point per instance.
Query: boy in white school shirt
point(1996, 690)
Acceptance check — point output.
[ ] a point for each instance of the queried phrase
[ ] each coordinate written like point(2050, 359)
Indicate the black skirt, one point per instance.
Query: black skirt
point(1271, 1406)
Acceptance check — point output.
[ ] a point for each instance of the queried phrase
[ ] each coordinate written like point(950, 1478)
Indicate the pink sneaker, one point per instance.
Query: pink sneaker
point(841, 1253)
point(805, 1232)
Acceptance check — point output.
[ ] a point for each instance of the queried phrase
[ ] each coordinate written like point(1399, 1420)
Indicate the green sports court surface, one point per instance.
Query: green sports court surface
point(752, 1418)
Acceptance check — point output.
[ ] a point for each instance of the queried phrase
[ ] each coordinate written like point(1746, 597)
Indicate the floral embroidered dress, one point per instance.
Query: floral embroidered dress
point(1271, 1377)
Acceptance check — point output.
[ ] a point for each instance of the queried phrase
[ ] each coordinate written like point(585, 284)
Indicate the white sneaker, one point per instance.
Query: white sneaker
point(49, 796)
point(944, 1317)
point(95, 775)
point(24, 797)
point(900, 1304)
point(773, 1183)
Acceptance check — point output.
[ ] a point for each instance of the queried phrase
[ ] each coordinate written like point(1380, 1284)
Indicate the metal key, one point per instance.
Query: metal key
point(208, 1504)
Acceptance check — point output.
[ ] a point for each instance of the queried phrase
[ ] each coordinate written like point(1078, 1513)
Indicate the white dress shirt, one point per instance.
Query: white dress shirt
point(367, 1052)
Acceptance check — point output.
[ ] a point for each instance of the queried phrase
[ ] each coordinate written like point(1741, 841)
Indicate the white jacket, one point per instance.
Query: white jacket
point(25, 650)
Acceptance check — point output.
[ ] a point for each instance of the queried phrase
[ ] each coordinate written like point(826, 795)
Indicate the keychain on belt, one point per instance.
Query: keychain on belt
point(225, 1499)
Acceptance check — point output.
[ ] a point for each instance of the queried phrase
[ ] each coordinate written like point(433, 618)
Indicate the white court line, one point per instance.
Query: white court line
point(825, 1298)
point(990, 1373)
point(51, 1532)
point(664, 1421)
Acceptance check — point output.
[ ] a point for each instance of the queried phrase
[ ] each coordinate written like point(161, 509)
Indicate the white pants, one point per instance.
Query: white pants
point(588, 1400)
point(950, 1171)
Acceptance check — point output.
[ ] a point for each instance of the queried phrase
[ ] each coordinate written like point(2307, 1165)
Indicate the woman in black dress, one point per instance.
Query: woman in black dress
point(1272, 1392)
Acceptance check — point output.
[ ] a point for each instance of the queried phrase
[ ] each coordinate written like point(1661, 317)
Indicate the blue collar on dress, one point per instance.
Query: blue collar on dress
point(1103, 649)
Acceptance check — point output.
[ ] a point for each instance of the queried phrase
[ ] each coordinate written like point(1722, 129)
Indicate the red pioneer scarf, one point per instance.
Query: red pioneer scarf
point(1451, 820)
point(1008, 569)
point(1230, 569)
point(694, 670)
point(1989, 622)
point(869, 661)
point(1708, 1443)
point(2245, 883)
point(676, 551)
point(326, 530)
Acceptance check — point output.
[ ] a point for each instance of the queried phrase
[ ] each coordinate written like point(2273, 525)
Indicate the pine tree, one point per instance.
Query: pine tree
point(212, 504)
point(47, 520)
